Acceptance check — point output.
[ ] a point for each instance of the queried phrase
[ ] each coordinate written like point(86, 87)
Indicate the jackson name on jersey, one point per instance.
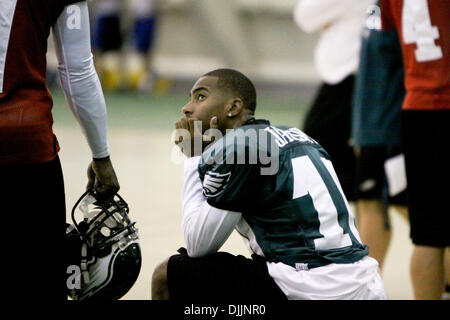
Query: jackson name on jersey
point(297, 215)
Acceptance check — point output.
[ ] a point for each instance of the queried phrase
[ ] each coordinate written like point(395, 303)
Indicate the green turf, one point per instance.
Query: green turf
point(127, 110)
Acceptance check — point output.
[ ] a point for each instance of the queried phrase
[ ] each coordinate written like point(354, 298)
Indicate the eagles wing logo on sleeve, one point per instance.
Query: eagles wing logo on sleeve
point(214, 183)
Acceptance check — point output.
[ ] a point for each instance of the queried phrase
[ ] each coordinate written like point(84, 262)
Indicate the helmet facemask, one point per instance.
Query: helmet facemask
point(110, 252)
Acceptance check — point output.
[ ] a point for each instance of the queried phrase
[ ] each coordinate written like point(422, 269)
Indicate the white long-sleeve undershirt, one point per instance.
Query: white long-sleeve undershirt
point(78, 76)
point(205, 228)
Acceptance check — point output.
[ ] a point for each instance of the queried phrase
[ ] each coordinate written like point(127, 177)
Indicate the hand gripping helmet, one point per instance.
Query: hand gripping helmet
point(102, 252)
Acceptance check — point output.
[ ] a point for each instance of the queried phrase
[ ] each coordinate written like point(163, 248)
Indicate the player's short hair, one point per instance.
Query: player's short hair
point(237, 84)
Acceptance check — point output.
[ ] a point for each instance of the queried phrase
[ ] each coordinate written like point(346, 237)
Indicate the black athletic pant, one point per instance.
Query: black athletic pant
point(33, 215)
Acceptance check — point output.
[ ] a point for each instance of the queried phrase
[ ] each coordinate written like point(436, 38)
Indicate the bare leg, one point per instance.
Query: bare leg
point(446, 296)
point(160, 290)
point(403, 211)
point(374, 228)
point(427, 272)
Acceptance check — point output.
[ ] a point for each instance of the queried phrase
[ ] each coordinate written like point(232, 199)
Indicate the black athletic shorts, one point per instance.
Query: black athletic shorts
point(33, 207)
point(329, 123)
point(220, 277)
point(426, 142)
point(371, 177)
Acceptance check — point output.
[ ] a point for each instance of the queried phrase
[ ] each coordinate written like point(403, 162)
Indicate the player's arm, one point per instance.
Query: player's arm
point(84, 93)
point(314, 15)
point(205, 228)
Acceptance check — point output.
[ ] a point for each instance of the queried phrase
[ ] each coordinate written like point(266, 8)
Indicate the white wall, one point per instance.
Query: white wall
point(259, 37)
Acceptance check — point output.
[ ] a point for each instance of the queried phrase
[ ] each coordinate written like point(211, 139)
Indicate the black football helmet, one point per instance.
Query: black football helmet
point(102, 255)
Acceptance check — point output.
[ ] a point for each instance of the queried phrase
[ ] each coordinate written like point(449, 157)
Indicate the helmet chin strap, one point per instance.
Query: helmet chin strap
point(88, 214)
point(83, 265)
point(84, 206)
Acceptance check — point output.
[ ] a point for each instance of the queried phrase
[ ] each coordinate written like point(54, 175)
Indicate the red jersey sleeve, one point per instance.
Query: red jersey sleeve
point(387, 18)
point(26, 134)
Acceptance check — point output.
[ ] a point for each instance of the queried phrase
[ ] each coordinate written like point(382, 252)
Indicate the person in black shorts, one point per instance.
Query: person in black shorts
point(425, 134)
point(375, 197)
point(376, 133)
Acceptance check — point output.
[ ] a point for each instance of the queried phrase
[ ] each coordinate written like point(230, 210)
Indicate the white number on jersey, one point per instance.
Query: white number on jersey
point(307, 180)
point(417, 28)
point(7, 9)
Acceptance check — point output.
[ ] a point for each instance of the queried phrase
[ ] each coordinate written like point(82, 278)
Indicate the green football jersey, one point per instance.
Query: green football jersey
point(282, 181)
point(379, 89)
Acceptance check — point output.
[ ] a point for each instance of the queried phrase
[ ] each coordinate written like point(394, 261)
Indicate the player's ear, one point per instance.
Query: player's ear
point(234, 107)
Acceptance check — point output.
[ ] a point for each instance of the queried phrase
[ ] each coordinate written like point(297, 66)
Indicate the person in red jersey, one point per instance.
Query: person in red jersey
point(423, 27)
point(30, 171)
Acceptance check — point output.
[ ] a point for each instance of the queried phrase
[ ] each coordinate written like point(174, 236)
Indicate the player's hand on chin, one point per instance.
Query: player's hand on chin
point(193, 142)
